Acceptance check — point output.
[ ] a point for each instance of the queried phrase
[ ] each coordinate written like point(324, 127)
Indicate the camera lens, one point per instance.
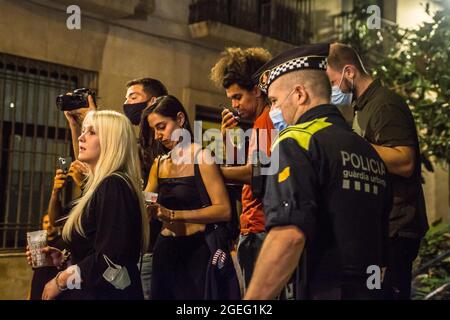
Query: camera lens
point(59, 102)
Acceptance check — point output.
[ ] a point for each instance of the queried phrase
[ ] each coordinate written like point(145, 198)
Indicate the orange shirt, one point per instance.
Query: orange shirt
point(252, 217)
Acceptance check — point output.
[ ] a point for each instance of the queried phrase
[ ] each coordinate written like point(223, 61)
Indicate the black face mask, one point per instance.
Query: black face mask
point(133, 111)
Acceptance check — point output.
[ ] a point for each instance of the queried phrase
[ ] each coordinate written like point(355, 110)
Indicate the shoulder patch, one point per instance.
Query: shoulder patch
point(283, 175)
point(302, 132)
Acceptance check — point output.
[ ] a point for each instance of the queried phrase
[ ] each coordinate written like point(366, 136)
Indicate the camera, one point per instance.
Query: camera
point(78, 99)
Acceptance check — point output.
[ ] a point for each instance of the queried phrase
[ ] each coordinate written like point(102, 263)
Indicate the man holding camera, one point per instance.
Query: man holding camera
point(140, 94)
point(75, 115)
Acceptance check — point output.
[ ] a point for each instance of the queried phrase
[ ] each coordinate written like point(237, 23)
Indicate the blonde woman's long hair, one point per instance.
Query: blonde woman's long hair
point(118, 153)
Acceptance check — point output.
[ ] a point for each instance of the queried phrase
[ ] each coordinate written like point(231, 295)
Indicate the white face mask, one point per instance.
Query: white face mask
point(338, 97)
point(116, 275)
point(277, 116)
point(277, 119)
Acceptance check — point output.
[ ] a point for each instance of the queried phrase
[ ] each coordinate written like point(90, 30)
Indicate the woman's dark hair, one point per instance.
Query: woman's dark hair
point(166, 106)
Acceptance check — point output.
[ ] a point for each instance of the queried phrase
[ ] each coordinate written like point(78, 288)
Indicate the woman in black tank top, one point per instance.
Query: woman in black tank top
point(187, 200)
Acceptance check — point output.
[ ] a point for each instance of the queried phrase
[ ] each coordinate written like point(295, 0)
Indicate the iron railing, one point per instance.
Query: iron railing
point(285, 20)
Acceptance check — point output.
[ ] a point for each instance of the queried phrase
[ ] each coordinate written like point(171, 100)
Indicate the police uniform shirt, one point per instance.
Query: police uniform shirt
point(333, 186)
point(383, 118)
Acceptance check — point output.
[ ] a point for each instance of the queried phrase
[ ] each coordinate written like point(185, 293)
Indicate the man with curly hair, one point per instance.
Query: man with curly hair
point(234, 72)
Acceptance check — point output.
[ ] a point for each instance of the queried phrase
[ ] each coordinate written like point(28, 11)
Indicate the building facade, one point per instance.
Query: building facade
point(43, 54)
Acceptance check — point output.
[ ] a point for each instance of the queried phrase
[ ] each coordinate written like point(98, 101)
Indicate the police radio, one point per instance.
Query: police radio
point(257, 178)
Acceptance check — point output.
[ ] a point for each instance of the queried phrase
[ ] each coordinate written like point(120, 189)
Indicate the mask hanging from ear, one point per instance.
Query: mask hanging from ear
point(277, 119)
point(340, 98)
point(277, 116)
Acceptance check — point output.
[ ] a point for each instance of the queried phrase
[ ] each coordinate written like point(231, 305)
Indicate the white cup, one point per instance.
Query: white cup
point(37, 240)
point(150, 197)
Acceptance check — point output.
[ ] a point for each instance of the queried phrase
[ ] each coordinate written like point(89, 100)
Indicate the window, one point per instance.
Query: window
point(285, 20)
point(33, 133)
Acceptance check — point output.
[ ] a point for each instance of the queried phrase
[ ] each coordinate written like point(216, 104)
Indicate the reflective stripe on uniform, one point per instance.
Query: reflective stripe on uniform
point(302, 132)
point(283, 175)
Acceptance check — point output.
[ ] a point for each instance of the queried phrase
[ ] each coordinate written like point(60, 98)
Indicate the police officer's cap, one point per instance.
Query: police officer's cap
point(311, 56)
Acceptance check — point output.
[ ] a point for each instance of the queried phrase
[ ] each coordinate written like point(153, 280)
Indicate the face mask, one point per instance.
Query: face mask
point(116, 275)
point(277, 116)
point(133, 111)
point(338, 97)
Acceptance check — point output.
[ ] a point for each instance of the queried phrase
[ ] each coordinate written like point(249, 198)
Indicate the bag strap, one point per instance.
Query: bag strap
point(110, 263)
point(141, 262)
point(206, 201)
point(157, 168)
point(257, 146)
point(124, 177)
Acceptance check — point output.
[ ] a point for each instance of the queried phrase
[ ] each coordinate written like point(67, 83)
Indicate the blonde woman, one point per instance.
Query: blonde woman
point(108, 226)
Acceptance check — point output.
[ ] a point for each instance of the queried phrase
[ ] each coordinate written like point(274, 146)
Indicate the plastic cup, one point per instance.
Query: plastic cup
point(37, 240)
point(150, 197)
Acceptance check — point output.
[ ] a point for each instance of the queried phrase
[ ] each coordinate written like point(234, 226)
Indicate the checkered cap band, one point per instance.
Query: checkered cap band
point(267, 77)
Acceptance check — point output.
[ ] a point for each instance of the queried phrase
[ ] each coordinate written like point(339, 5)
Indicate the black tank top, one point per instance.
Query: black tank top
point(183, 193)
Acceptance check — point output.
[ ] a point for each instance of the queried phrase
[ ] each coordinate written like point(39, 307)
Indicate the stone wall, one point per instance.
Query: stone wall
point(15, 276)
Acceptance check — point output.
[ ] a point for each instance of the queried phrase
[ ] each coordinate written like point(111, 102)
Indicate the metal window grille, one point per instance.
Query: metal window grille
point(33, 132)
point(285, 20)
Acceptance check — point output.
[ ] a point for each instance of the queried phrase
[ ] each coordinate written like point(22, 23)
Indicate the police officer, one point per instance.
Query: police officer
point(327, 205)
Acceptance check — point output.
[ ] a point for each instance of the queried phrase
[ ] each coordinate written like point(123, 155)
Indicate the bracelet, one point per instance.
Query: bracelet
point(57, 284)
